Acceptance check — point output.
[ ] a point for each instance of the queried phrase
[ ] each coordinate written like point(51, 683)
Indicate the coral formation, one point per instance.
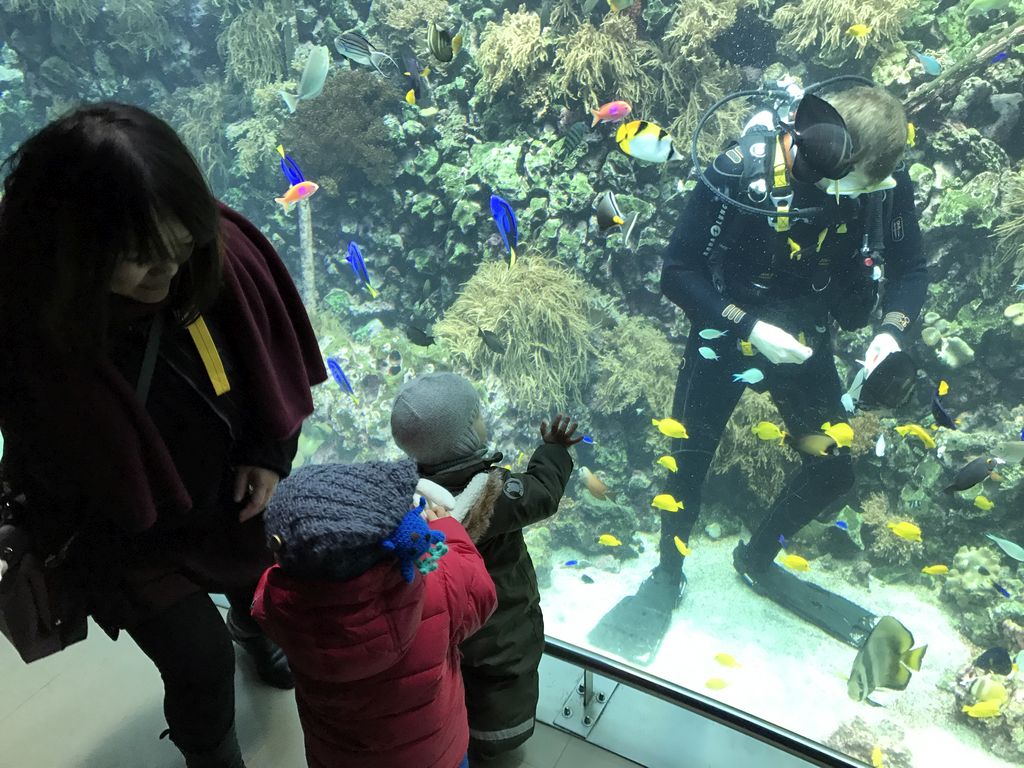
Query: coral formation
point(595, 64)
point(858, 740)
point(762, 465)
point(252, 49)
point(62, 11)
point(198, 114)
point(971, 586)
point(1010, 231)
point(823, 24)
point(510, 52)
point(344, 129)
point(636, 363)
point(537, 309)
point(412, 15)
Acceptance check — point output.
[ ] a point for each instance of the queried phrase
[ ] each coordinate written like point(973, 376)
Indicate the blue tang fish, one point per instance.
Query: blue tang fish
point(339, 376)
point(505, 218)
point(571, 563)
point(1001, 56)
point(842, 524)
point(290, 168)
point(588, 440)
point(355, 259)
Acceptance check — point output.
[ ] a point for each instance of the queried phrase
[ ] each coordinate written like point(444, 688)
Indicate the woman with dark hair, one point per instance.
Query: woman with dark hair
point(109, 233)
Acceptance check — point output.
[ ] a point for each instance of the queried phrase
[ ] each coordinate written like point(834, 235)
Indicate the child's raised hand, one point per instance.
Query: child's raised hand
point(435, 511)
point(561, 432)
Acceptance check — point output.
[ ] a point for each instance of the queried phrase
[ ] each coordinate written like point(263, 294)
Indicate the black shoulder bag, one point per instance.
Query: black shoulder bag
point(41, 613)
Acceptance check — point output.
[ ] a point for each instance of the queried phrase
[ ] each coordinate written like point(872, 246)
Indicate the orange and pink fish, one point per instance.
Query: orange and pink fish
point(301, 191)
point(611, 112)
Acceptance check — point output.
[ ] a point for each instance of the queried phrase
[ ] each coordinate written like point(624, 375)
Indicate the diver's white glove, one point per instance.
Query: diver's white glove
point(3, 568)
point(777, 345)
point(880, 348)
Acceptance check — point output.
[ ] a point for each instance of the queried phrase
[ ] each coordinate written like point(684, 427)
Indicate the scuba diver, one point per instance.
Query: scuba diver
point(841, 238)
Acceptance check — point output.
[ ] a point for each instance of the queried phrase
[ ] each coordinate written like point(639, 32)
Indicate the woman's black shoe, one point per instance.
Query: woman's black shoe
point(271, 663)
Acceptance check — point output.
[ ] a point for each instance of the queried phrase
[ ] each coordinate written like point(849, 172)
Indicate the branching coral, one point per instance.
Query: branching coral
point(689, 87)
point(198, 114)
point(412, 15)
point(252, 49)
point(255, 137)
point(510, 52)
point(344, 129)
point(1010, 232)
point(763, 465)
point(596, 64)
point(62, 11)
point(824, 24)
point(694, 25)
point(140, 26)
point(636, 363)
point(537, 309)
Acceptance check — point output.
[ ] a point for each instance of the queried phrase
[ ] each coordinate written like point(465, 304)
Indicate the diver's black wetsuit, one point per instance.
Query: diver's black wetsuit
point(727, 270)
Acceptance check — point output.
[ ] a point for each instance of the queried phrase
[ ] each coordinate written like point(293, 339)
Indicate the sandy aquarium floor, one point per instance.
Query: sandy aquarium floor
point(791, 673)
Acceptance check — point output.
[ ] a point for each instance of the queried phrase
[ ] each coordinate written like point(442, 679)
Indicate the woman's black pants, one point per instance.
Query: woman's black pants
point(190, 645)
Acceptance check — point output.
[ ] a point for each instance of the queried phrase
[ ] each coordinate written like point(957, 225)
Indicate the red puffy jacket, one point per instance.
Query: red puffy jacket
point(376, 660)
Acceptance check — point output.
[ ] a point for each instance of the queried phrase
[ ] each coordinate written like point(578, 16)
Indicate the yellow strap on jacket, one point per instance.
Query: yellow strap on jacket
point(211, 358)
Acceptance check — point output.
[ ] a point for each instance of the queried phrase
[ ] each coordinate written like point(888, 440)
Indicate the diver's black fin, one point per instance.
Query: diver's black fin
point(839, 617)
point(635, 627)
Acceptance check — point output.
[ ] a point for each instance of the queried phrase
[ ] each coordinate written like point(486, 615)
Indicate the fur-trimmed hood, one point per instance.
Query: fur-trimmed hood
point(474, 507)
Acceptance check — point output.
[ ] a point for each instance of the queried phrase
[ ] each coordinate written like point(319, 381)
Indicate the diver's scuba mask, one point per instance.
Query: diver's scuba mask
point(823, 148)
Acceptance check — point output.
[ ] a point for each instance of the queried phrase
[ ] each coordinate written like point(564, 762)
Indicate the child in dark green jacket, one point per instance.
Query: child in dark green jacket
point(436, 419)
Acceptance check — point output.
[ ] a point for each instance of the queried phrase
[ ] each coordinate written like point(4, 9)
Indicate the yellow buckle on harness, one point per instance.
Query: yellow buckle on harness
point(208, 353)
point(780, 181)
point(801, 338)
point(746, 348)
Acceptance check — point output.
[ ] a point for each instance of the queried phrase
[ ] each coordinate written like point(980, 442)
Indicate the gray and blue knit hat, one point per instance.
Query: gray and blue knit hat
point(329, 521)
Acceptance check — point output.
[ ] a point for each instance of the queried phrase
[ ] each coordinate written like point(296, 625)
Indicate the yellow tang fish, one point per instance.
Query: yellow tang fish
point(670, 427)
point(684, 550)
point(608, 540)
point(943, 388)
point(667, 502)
point(619, 5)
point(981, 502)
point(768, 431)
point(905, 530)
point(876, 757)
point(716, 683)
point(859, 31)
point(795, 563)
point(842, 433)
point(911, 135)
point(936, 570)
point(982, 709)
point(726, 660)
point(669, 463)
point(917, 431)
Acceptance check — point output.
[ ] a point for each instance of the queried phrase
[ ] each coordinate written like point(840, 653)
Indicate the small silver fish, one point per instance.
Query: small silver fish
point(749, 376)
point(712, 333)
point(880, 445)
point(314, 75)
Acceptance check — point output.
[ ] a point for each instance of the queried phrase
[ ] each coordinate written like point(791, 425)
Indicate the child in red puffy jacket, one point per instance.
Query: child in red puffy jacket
point(370, 602)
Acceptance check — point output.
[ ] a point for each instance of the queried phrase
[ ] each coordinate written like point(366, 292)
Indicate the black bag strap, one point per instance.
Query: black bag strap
point(149, 359)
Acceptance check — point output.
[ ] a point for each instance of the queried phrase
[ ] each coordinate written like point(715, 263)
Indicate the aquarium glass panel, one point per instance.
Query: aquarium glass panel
point(782, 307)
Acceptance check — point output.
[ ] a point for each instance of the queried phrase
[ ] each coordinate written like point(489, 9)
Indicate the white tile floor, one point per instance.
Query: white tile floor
point(98, 705)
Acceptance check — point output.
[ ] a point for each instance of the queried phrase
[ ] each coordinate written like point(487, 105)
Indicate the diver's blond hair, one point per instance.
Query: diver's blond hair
point(878, 126)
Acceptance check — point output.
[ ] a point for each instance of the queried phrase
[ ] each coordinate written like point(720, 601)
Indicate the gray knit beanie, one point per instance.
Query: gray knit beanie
point(432, 418)
point(327, 521)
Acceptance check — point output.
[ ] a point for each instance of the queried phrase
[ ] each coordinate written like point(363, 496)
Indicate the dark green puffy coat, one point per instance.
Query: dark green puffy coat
point(500, 661)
